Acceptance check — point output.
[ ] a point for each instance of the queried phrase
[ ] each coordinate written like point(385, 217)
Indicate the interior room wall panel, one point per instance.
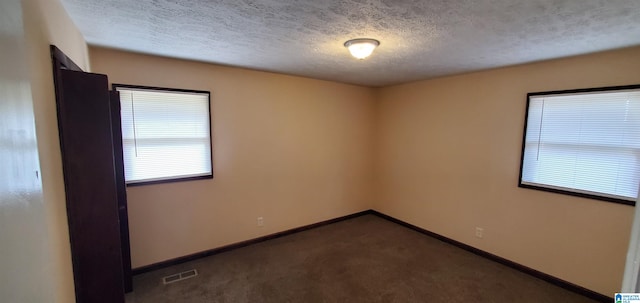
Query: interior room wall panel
point(292, 150)
point(448, 157)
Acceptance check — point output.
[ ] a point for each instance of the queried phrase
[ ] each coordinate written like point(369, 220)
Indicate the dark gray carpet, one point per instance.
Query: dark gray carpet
point(366, 259)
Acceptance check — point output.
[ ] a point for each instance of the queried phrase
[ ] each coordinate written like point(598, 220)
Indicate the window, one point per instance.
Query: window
point(166, 134)
point(584, 142)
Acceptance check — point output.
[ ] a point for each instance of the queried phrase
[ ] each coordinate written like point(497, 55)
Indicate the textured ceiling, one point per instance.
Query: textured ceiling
point(419, 39)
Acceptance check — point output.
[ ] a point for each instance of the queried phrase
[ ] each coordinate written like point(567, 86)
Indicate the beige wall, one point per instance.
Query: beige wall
point(23, 249)
point(293, 150)
point(448, 158)
point(46, 22)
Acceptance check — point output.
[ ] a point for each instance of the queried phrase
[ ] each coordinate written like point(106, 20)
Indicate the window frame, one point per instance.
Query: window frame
point(115, 86)
point(524, 142)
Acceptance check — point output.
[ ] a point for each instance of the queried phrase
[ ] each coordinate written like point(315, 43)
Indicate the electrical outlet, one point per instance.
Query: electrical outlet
point(260, 221)
point(479, 232)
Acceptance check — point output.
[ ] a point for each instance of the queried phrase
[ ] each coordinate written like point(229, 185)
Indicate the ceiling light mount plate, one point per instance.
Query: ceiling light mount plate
point(361, 47)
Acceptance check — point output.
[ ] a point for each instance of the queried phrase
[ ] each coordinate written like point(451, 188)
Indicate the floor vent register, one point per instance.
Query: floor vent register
point(180, 276)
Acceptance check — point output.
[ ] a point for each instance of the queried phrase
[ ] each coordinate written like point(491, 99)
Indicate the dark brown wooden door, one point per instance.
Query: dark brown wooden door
point(116, 126)
point(86, 138)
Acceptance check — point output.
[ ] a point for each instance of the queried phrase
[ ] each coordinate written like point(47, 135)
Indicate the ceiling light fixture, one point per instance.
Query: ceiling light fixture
point(361, 48)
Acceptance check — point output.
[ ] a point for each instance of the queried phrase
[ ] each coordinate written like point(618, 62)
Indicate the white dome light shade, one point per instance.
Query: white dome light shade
point(361, 48)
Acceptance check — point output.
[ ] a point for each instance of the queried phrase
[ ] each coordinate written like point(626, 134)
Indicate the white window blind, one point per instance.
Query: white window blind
point(586, 143)
point(165, 134)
